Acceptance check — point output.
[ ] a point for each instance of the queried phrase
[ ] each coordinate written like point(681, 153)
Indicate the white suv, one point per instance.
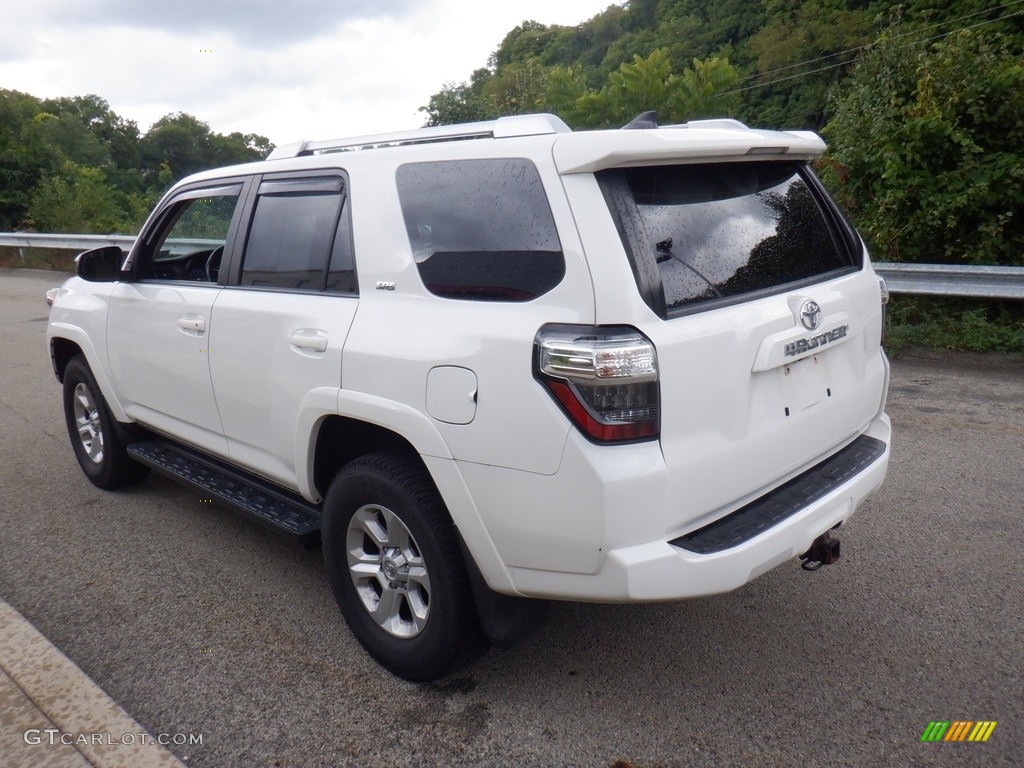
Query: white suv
point(496, 361)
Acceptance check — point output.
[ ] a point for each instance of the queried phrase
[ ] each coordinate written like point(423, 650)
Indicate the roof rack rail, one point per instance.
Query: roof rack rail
point(503, 127)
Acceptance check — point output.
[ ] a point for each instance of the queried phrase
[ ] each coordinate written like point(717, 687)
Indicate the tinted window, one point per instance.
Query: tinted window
point(724, 230)
point(341, 277)
point(290, 237)
point(481, 229)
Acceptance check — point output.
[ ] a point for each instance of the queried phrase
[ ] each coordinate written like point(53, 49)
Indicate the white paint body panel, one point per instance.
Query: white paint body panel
point(543, 511)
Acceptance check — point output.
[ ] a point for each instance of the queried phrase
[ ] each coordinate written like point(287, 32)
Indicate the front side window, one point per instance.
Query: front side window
point(190, 241)
point(291, 237)
point(724, 230)
point(481, 229)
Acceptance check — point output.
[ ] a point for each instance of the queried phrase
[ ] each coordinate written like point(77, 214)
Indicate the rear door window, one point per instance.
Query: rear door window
point(721, 231)
point(293, 238)
point(481, 229)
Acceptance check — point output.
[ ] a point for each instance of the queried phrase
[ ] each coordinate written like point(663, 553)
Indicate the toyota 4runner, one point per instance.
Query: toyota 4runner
point(496, 361)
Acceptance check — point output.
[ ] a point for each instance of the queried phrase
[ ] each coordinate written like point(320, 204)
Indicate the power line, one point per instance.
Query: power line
point(862, 48)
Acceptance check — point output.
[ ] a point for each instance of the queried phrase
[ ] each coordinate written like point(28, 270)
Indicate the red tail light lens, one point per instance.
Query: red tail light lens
point(605, 379)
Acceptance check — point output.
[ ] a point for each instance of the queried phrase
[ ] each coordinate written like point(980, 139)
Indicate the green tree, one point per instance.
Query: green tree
point(928, 148)
point(78, 199)
point(705, 90)
point(517, 88)
point(648, 83)
point(456, 103)
point(119, 137)
point(24, 157)
point(180, 141)
point(184, 144)
point(795, 57)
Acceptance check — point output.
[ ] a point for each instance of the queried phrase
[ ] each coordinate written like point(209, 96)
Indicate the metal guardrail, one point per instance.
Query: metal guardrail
point(65, 242)
point(966, 281)
point(969, 281)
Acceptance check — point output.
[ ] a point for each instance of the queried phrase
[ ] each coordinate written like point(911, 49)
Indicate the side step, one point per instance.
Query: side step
point(254, 497)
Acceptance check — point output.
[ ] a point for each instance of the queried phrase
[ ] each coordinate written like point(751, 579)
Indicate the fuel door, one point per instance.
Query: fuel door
point(451, 394)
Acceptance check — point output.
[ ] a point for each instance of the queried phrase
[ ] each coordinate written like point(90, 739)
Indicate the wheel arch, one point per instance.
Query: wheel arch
point(65, 343)
point(338, 439)
point(61, 352)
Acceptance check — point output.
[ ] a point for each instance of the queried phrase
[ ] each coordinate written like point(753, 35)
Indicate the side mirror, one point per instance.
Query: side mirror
point(100, 265)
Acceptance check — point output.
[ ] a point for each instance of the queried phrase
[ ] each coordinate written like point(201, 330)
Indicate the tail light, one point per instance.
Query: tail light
point(604, 378)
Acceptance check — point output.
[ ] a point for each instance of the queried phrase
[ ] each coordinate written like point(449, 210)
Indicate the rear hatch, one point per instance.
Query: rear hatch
point(766, 322)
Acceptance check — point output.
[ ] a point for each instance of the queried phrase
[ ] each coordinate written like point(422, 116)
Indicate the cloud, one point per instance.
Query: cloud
point(288, 70)
point(269, 24)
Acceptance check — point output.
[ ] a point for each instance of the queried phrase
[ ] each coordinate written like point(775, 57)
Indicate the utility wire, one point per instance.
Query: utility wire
point(864, 47)
point(856, 50)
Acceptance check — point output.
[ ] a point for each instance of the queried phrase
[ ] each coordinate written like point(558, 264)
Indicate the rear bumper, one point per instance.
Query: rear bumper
point(659, 570)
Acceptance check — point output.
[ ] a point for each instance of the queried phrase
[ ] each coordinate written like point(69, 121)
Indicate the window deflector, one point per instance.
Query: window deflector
point(142, 253)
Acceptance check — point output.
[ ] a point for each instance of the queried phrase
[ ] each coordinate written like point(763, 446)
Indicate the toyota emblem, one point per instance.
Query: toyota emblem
point(810, 315)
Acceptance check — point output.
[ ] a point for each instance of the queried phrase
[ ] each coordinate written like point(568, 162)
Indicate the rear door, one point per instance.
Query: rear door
point(280, 326)
point(766, 323)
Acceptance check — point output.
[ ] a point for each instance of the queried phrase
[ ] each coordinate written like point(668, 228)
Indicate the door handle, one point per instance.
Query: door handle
point(313, 340)
point(192, 323)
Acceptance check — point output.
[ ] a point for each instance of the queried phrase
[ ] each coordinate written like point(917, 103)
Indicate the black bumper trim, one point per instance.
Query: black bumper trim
point(785, 501)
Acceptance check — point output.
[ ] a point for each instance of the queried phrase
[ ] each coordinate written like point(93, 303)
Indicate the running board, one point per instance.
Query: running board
point(255, 498)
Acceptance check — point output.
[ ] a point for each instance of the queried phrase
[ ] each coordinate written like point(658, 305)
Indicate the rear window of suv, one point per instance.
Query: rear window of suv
point(704, 235)
point(481, 229)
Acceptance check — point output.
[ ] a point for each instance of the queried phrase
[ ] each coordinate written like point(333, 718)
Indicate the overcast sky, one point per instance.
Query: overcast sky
point(286, 69)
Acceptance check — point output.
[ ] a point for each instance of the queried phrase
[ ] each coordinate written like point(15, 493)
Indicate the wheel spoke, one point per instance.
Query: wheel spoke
point(388, 571)
point(398, 535)
point(418, 576)
point(87, 422)
point(419, 608)
point(368, 520)
point(386, 612)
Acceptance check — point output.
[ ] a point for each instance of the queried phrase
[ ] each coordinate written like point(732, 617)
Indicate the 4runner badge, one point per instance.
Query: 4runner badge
point(800, 346)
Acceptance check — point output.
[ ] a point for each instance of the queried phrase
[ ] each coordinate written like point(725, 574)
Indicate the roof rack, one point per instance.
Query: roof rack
point(503, 127)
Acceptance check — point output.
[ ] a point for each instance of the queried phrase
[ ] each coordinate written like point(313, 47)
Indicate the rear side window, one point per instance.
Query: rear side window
point(481, 229)
point(295, 241)
point(716, 232)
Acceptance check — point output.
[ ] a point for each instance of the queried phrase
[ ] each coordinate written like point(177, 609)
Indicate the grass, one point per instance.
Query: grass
point(961, 325)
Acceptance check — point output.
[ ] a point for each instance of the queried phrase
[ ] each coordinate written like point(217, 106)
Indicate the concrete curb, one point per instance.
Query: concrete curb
point(41, 688)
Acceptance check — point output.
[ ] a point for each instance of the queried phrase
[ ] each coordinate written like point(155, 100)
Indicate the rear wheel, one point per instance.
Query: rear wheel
point(97, 442)
point(393, 560)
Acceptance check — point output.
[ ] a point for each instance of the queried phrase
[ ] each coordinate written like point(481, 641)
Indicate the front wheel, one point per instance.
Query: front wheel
point(393, 561)
point(98, 445)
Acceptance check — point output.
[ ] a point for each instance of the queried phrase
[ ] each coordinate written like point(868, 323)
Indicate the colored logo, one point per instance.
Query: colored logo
point(958, 730)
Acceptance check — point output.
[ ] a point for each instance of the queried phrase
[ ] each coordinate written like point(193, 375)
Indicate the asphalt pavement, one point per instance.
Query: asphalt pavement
point(210, 630)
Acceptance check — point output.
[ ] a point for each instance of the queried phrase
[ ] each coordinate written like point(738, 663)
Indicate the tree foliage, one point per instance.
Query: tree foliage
point(72, 164)
point(925, 118)
point(928, 148)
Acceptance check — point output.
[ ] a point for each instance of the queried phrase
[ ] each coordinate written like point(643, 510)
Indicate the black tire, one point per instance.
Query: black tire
point(426, 626)
point(96, 438)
